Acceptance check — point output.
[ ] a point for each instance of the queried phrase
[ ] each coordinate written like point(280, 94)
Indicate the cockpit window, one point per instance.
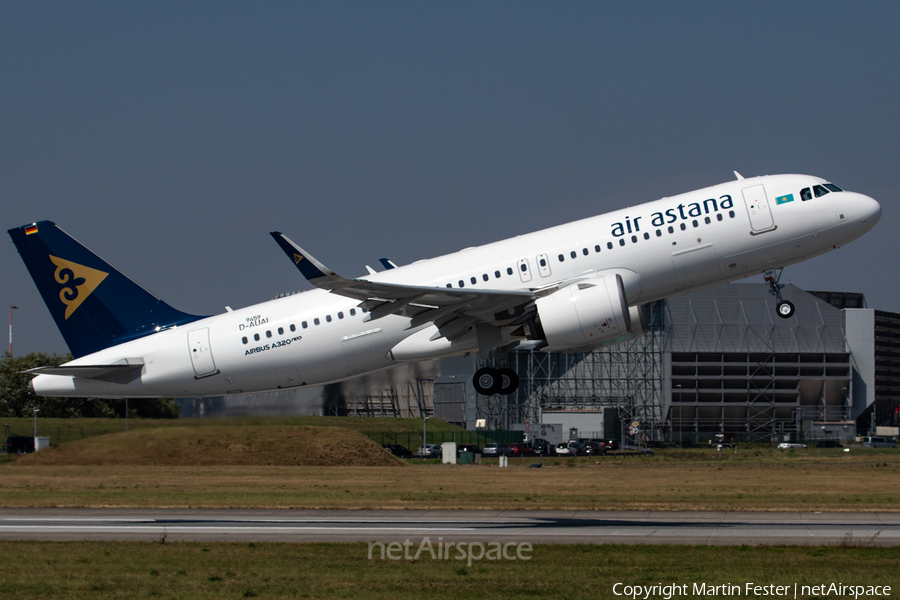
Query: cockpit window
point(819, 190)
point(832, 187)
point(805, 194)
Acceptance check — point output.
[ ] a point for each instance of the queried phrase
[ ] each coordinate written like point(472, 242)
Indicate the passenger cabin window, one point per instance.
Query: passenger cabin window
point(340, 315)
point(281, 331)
point(353, 310)
point(462, 283)
point(597, 248)
point(671, 229)
point(473, 280)
point(449, 285)
point(585, 251)
point(328, 318)
point(304, 324)
point(316, 321)
point(497, 274)
point(572, 254)
point(621, 242)
point(485, 277)
point(293, 327)
point(509, 270)
point(561, 258)
point(609, 245)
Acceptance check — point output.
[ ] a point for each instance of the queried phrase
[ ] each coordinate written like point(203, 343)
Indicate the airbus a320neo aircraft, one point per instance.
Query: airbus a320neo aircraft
point(570, 288)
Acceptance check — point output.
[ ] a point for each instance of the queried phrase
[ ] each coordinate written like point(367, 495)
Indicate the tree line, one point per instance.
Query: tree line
point(17, 401)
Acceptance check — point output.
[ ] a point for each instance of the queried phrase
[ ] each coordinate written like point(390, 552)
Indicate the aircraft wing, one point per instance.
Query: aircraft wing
point(423, 304)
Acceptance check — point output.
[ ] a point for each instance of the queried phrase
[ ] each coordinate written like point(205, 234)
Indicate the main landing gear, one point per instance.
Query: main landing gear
point(784, 308)
point(489, 381)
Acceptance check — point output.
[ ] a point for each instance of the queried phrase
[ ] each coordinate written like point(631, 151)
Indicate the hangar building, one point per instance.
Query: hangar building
point(717, 360)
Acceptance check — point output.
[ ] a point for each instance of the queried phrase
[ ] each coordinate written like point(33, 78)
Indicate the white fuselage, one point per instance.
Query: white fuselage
point(662, 248)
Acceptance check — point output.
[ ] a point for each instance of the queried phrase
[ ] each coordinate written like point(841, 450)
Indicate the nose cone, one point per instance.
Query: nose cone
point(869, 210)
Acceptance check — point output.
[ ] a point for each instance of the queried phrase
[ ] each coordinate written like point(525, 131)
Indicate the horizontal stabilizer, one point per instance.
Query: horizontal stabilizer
point(121, 372)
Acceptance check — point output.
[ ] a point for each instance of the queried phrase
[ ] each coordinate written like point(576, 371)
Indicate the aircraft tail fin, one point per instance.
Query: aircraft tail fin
point(94, 305)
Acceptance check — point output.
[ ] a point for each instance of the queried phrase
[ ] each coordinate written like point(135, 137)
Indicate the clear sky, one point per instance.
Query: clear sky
point(171, 137)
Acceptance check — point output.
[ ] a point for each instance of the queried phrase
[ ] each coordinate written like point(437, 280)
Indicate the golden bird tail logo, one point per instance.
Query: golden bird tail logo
point(79, 282)
point(297, 259)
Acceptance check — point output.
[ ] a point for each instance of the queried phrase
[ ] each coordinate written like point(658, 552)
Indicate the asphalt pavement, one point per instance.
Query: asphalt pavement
point(535, 527)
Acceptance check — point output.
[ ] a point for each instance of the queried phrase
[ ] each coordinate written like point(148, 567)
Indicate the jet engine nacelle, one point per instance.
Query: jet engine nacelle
point(587, 315)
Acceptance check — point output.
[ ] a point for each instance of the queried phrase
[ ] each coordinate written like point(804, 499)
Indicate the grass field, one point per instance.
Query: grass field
point(865, 481)
point(265, 463)
point(273, 570)
point(66, 430)
point(218, 445)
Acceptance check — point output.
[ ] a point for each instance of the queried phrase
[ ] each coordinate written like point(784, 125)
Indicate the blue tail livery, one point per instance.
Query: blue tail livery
point(94, 305)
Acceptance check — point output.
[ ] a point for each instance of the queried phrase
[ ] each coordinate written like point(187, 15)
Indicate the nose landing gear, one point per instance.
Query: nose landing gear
point(784, 308)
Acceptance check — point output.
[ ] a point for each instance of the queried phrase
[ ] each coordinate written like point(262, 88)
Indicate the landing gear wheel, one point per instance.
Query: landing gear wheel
point(487, 381)
point(785, 309)
point(509, 382)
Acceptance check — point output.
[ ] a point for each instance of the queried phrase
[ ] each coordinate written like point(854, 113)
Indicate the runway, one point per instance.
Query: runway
point(538, 527)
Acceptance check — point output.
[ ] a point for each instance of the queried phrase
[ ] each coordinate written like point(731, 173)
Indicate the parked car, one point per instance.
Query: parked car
point(540, 446)
point(398, 450)
point(592, 448)
point(517, 449)
point(877, 441)
point(786, 445)
point(460, 448)
point(829, 444)
point(612, 445)
point(496, 450)
point(567, 448)
point(655, 444)
point(19, 444)
point(429, 451)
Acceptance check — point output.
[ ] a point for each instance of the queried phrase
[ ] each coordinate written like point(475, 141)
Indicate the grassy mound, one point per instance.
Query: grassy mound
point(219, 445)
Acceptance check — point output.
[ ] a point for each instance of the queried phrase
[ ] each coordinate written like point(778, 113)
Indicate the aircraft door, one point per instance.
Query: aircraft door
point(201, 353)
point(524, 270)
point(543, 262)
point(758, 208)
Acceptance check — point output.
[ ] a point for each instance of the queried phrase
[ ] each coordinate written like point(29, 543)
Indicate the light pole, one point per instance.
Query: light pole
point(11, 308)
point(36, 411)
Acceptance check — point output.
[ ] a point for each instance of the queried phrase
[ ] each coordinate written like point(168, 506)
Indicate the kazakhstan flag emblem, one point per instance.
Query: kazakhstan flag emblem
point(784, 199)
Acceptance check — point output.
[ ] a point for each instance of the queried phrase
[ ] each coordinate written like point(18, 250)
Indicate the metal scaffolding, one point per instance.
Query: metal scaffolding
point(627, 376)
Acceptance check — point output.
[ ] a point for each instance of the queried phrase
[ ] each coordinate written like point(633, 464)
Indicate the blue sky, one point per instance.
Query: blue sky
point(172, 137)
